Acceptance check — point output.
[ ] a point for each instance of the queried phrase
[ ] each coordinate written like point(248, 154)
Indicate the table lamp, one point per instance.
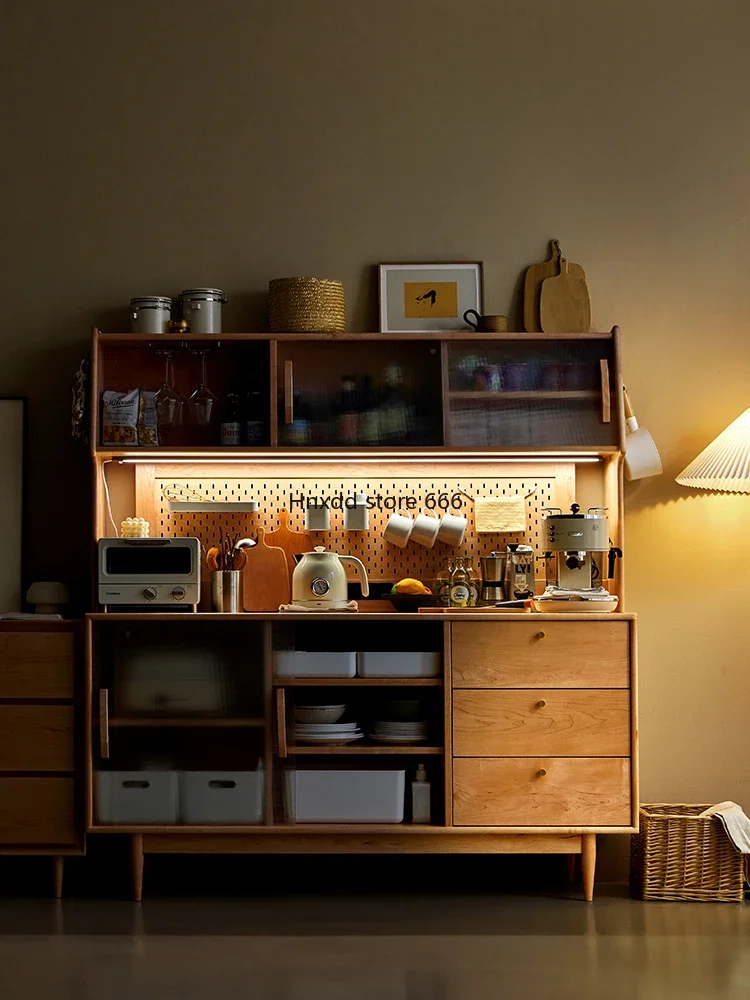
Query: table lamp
point(724, 465)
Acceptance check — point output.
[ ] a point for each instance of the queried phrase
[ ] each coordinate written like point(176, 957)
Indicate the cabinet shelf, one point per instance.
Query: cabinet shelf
point(153, 723)
point(144, 339)
point(357, 682)
point(356, 751)
point(470, 396)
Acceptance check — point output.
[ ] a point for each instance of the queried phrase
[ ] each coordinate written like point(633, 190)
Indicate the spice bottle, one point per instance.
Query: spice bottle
point(420, 797)
point(459, 587)
point(443, 585)
point(475, 583)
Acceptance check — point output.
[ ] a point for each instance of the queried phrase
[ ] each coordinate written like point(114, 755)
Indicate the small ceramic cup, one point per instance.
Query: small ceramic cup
point(452, 529)
point(425, 530)
point(398, 530)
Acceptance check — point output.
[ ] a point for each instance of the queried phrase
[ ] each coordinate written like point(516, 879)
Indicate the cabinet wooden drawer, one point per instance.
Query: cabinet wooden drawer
point(37, 811)
point(36, 738)
point(540, 654)
point(554, 723)
point(36, 665)
point(541, 791)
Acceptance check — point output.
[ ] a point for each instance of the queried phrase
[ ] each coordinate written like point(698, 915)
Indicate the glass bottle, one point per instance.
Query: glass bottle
point(459, 588)
point(347, 417)
point(394, 408)
point(254, 419)
point(231, 423)
point(443, 585)
point(368, 418)
point(298, 432)
point(475, 583)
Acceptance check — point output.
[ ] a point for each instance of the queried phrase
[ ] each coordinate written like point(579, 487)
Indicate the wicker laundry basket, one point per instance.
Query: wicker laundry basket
point(679, 856)
point(306, 305)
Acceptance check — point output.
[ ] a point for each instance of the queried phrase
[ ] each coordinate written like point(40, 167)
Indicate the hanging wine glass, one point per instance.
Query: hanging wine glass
point(203, 406)
point(170, 405)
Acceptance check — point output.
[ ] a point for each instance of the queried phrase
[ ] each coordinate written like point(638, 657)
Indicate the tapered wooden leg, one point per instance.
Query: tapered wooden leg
point(59, 862)
point(570, 862)
point(588, 865)
point(136, 856)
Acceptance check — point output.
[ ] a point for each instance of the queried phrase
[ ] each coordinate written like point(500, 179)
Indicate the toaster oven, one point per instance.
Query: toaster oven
point(149, 574)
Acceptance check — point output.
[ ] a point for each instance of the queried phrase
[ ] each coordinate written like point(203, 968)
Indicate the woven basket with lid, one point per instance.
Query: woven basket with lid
point(679, 855)
point(306, 305)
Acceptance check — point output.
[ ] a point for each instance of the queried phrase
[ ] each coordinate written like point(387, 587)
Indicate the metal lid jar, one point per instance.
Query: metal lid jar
point(201, 307)
point(150, 314)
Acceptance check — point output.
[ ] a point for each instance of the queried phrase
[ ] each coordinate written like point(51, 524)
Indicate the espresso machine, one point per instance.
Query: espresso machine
point(576, 544)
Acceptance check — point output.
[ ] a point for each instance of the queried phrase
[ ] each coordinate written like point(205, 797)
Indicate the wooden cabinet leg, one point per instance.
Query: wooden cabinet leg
point(588, 865)
point(570, 864)
point(59, 862)
point(136, 856)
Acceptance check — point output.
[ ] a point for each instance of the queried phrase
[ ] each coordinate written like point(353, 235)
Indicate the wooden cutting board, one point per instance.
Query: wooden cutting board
point(292, 542)
point(565, 305)
point(532, 288)
point(266, 579)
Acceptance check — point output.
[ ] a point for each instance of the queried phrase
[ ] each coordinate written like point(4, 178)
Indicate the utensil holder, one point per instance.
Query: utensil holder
point(225, 591)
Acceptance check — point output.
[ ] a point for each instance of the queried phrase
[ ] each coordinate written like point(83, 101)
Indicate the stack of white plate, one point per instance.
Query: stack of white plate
point(334, 732)
point(399, 732)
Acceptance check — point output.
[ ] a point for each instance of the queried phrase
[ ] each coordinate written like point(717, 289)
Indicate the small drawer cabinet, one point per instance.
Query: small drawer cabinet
point(543, 726)
point(39, 771)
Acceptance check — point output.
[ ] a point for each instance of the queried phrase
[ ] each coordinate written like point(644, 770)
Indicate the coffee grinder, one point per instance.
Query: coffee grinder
point(574, 542)
point(493, 577)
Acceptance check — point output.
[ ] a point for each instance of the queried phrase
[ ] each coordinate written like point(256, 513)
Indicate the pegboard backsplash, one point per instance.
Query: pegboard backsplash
point(385, 562)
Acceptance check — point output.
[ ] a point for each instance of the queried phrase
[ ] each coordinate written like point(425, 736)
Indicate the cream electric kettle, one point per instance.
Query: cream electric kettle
point(319, 579)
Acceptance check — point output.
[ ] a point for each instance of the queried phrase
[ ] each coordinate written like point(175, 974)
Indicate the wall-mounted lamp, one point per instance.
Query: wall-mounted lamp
point(725, 464)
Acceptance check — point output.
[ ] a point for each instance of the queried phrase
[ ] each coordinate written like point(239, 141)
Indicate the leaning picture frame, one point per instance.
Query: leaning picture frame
point(422, 298)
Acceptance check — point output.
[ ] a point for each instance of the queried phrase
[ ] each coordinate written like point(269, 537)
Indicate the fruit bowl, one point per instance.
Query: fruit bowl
point(412, 602)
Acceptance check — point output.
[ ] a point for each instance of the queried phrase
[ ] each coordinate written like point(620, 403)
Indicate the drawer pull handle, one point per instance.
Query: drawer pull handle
point(540, 635)
point(541, 704)
point(541, 772)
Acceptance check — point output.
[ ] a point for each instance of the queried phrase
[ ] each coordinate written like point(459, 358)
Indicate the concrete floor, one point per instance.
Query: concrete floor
point(374, 947)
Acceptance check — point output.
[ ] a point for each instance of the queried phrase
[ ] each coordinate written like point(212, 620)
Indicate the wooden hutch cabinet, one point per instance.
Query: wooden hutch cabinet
point(531, 718)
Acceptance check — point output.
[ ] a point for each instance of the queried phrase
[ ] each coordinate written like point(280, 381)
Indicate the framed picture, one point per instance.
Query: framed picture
point(426, 297)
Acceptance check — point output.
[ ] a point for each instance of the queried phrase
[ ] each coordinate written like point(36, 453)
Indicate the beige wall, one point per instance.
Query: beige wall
point(159, 145)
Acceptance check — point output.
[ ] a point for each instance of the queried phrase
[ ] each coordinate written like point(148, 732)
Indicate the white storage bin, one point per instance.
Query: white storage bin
point(136, 797)
point(297, 663)
point(394, 664)
point(221, 797)
point(345, 796)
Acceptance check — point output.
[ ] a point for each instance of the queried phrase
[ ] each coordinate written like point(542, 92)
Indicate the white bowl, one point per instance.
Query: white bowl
point(319, 714)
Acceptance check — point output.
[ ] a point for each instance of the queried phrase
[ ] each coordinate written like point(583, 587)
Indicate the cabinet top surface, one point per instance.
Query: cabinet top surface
point(136, 339)
point(334, 616)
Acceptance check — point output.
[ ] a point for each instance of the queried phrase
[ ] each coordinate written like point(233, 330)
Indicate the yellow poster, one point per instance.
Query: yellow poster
point(438, 299)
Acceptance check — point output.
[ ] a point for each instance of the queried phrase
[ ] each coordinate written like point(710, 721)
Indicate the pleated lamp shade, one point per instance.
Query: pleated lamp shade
point(725, 464)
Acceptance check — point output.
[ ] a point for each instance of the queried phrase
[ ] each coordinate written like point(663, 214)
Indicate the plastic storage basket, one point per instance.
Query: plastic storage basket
point(680, 856)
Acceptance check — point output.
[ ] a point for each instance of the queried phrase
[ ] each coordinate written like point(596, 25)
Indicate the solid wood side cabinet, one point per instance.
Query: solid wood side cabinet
point(40, 761)
point(536, 716)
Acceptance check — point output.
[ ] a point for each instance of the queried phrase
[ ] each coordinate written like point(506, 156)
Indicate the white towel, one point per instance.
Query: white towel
point(498, 514)
point(735, 822)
